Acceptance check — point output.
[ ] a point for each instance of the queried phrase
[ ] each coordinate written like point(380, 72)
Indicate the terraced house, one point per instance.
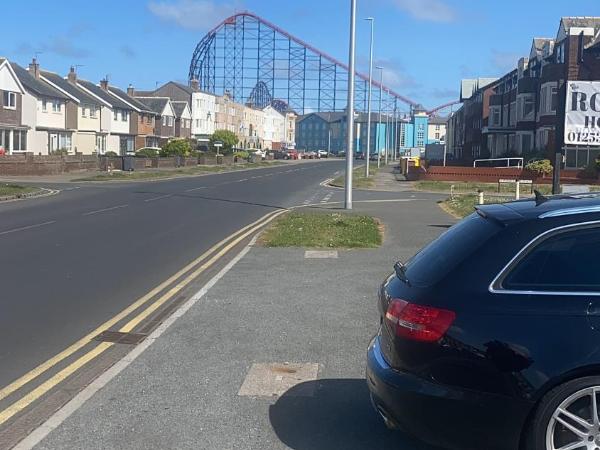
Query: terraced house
point(85, 111)
point(13, 133)
point(164, 128)
point(523, 112)
point(44, 112)
point(115, 117)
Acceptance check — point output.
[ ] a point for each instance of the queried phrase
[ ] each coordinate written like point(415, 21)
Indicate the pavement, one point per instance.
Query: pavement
point(273, 317)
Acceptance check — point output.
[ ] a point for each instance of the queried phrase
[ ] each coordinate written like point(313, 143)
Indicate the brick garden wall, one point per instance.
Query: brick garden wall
point(14, 165)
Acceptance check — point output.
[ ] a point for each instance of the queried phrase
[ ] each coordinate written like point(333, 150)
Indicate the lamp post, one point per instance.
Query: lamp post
point(387, 135)
point(379, 122)
point(350, 108)
point(368, 153)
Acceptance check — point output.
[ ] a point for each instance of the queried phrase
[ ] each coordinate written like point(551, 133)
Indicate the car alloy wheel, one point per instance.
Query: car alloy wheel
point(575, 424)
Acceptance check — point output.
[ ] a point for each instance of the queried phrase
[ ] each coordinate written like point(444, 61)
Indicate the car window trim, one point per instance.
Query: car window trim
point(495, 286)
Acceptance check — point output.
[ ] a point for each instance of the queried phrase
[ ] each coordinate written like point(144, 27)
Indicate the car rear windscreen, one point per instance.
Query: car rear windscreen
point(438, 258)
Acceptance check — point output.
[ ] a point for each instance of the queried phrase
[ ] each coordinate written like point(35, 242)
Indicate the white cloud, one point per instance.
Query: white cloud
point(192, 14)
point(430, 10)
point(394, 75)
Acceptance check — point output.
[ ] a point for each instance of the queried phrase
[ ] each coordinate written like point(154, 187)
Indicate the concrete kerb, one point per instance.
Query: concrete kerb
point(42, 192)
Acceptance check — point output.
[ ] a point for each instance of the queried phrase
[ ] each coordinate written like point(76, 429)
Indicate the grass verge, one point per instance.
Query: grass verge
point(169, 173)
point(488, 188)
point(358, 178)
point(7, 190)
point(323, 230)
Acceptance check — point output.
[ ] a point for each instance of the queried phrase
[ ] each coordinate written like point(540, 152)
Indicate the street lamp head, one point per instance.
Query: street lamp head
point(371, 19)
point(379, 67)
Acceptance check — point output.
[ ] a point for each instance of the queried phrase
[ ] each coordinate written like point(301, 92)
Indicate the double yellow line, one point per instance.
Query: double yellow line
point(196, 267)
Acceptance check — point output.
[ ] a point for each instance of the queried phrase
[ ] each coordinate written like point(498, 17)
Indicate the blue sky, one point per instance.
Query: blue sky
point(427, 46)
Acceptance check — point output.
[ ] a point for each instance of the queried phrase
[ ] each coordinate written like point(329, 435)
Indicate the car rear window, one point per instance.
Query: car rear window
point(438, 258)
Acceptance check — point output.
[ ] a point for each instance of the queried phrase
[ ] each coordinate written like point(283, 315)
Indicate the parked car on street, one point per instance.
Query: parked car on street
point(489, 337)
point(323, 154)
point(292, 154)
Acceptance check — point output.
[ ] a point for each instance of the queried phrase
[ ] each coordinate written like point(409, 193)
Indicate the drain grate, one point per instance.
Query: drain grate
point(120, 338)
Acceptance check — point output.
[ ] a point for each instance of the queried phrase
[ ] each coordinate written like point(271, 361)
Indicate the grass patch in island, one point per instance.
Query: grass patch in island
point(467, 187)
point(170, 173)
point(323, 230)
point(8, 190)
point(460, 206)
point(358, 178)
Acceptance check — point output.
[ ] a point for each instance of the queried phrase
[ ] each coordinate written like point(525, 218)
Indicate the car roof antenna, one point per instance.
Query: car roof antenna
point(540, 198)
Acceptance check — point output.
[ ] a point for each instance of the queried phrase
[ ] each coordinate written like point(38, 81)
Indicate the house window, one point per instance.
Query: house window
point(83, 111)
point(19, 141)
point(149, 120)
point(437, 128)
point(553, 99)
point(169, 121)
point(124, 116)
point(164, 121)
point(513, 114)
point(93, 111)
point(495, 116)
point(44, 105)
point(437, 135)
point(116, 114)
point(55, 106)
point(9, 100)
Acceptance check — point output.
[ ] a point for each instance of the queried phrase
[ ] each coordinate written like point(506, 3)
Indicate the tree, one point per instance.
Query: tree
point(176, 147)
point(228, 138)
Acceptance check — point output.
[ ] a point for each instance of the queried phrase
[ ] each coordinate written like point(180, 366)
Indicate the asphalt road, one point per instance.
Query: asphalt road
point(72, 261)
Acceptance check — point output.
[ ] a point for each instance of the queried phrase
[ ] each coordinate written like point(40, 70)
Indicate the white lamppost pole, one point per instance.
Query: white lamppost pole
point(350, 107)
point(368, 152)
point(379, 122)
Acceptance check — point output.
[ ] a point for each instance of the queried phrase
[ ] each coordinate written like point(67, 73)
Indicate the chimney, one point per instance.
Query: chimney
point(104, 84)
point(34, 68)
point(72, 77)
point(195, 85)
point(130, 91)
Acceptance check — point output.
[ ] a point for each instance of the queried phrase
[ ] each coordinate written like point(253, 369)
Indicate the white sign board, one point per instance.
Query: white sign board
point(582, 115)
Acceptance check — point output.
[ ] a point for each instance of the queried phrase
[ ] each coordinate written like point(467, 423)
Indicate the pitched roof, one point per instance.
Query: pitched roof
point(99, 92)
point(131, 100)
point(179, 108)
point(2, 60)
point(539, 43)
point(183, 86)
point(438, 120)
point(70, 88)
point(581, 22)
point(154, 104)
point(36, 86)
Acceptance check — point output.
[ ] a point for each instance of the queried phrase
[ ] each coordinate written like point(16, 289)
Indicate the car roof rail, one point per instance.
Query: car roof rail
point(570, 211)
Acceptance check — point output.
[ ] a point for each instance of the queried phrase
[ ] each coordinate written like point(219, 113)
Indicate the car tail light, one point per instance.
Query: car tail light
point(417, 322)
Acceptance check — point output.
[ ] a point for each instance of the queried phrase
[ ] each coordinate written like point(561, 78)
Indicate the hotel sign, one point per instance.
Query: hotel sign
point(582, 116)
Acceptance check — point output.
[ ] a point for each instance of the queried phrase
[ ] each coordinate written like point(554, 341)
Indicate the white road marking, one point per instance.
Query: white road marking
point(158, 198)
point(36, 436)
point(196, 189)
point(104, 210)
point(29, 227)
point(242, 180)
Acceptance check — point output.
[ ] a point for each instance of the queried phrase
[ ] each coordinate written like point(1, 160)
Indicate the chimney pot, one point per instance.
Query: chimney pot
point(72, 77)
point(195, 85)
point(104, 84)
point(130, 90)
point(34, 68)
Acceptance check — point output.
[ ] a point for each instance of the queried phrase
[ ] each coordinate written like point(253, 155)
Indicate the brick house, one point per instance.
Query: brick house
point(164, 128)
point(183, 119)
point(13, 133)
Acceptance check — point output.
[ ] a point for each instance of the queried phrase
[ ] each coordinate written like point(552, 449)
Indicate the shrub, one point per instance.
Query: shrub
point(241, 155)
point(228, 138)
point(147, 153)
point(111, 153)
point(541, 167)
point(591, 171)
point(60, 152)
point(176, 147)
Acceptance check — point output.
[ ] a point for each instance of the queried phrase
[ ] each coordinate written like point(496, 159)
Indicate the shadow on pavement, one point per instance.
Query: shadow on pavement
point(338, 416)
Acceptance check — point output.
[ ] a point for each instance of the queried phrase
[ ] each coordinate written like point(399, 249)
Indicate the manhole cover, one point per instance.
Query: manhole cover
point(320, 254)
point(120, 338)
point(269, 380)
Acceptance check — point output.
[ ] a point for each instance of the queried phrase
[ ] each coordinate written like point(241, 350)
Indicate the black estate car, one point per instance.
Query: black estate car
point(490, 336)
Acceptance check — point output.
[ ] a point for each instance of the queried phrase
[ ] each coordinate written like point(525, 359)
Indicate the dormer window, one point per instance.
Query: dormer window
point(9, 100)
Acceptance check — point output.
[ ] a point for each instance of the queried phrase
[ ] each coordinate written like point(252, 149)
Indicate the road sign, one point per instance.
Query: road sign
point(218, 144)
